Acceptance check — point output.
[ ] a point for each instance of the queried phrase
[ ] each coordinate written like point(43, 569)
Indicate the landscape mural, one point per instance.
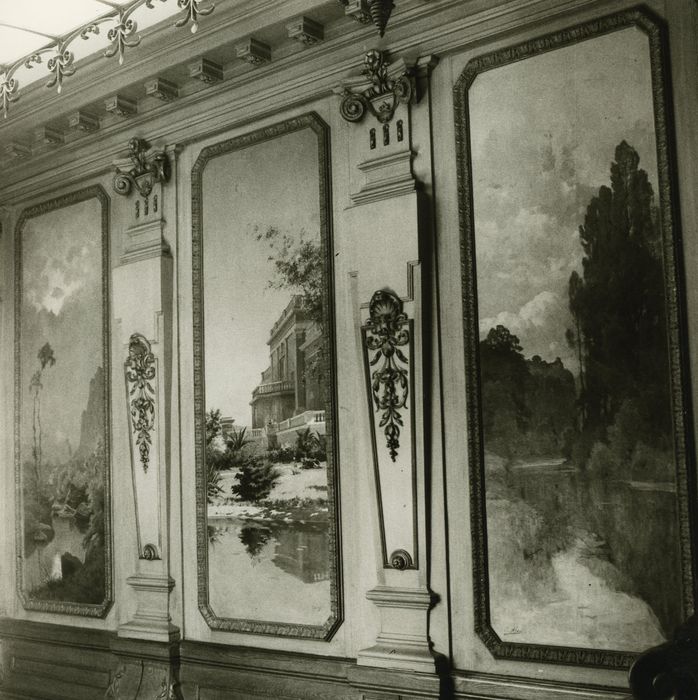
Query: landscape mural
point(579, 470)
point(267, 387)
point(62, 443)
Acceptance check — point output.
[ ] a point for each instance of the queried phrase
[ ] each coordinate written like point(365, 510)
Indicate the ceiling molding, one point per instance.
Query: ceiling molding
point(300, 75)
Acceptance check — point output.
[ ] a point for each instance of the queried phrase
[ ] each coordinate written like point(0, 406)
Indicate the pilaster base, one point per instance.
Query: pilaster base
point(403, 642)
point(152, 618)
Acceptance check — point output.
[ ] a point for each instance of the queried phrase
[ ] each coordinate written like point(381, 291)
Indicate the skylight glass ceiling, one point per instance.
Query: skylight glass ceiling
point(31, 32)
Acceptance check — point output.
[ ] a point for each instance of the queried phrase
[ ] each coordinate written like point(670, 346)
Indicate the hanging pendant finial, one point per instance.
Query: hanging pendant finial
point(380, 11)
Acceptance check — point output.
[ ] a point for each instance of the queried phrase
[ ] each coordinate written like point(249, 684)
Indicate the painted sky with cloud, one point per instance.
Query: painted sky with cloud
point(61, 305)
point(271, 183)
point(543, 136)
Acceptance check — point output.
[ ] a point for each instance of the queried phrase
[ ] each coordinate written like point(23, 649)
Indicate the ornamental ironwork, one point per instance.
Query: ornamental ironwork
point(121, 35)
point(385, 333)
point(149, 168)
point(140, 371)
point(386, 90)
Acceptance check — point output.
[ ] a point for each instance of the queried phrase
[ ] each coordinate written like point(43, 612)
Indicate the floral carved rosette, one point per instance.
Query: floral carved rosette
point(386, 332)
point(140, 371)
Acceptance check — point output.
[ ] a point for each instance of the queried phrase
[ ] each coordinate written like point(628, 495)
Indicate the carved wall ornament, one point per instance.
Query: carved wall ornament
point(48, 136)
point(83, 121)
point(161, 89)
point(14, 149)
point(169, 690)
point(112, 692)
point(150, 553)
point(365, 11)
point(206, 71)
point(149, 167)
point(140, 371)
point(386, 331)
point(357, 10)
point(120, 106)
point(380, 11)
point(390, 85)
point(306, 31)
point(254, 52)
point(400, 559)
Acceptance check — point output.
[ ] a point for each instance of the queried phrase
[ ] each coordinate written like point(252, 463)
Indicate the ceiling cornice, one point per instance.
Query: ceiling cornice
point(294, 77)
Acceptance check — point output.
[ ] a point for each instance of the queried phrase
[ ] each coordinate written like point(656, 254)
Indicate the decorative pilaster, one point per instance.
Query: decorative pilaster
point(387, 197)
point(143, 306)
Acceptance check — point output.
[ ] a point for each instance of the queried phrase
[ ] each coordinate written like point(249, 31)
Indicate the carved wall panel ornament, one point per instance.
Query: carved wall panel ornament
point(140, 374)
point(385, 333)
point(149, 167)
point(388, 356)
point(140, 371)
point(389, 85)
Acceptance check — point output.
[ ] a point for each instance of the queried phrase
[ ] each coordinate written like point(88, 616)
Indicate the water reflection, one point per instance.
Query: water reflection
point(299, 549)
point(280, 570)
point(254, 537)
point(609, 519)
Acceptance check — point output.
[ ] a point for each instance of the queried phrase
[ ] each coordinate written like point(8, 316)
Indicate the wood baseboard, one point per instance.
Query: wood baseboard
point(41, 661)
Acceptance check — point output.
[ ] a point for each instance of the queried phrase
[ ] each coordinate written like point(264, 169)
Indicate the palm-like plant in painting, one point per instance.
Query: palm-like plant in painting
point(46, 359)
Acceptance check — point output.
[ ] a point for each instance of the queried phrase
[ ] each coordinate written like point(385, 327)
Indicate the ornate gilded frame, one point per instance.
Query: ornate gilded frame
point(327, 630)
point(98, 610)
point(655, 30)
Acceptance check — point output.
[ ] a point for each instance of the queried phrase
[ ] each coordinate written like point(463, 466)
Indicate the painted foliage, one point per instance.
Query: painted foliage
point(61, 401)
point(265, 393)
point(576, 408)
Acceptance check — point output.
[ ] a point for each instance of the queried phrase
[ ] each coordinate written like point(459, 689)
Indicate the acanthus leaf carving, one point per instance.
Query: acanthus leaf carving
point(149, 167)
point(112, 692)
point(386, 332)
point(140, 371)
point(386, 90)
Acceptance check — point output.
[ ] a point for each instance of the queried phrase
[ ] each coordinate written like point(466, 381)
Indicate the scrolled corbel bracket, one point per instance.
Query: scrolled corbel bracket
point(379, 90)
point(149, 167)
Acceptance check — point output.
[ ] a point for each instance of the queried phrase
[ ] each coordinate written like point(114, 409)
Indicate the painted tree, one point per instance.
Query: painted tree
point(618, 304)
point(504, 376)
point(298, 265)
point(46, 359)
